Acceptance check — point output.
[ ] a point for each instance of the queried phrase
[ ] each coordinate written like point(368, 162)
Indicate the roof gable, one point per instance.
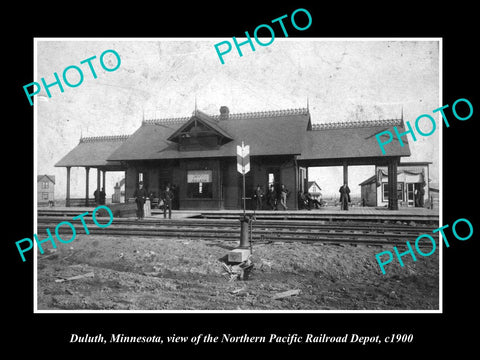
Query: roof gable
point(199, 124)
point(277, 132)
point(311, 183)
point(50, 178)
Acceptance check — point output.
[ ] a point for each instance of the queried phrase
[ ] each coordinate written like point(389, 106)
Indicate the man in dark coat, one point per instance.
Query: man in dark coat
point(272, 198)
point(167, 197)
point(96, 195)
point(258, 197)
point(140, 196)
point(344, 196)
point(102, 196)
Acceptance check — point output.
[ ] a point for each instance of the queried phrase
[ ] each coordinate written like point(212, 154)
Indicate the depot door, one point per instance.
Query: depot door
point(411, 194)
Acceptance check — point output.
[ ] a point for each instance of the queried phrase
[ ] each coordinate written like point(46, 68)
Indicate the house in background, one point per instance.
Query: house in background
point(412, 178)
point(314, 190)
point(45, 189)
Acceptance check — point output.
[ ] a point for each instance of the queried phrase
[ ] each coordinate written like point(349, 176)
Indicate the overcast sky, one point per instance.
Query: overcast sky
point(343, 80)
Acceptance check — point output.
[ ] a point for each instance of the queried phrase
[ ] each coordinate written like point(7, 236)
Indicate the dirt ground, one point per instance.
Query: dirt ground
point(135, 273)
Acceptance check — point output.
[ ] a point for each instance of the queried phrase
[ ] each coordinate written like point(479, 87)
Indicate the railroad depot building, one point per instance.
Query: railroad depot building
point(412, 183)
point(197, 155)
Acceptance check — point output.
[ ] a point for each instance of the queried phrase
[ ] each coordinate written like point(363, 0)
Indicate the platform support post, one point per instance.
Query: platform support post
point(67, 199)
point(87, 170)
point(103, 178)
point(97, 200)
point(392, 184)
point(345, 173)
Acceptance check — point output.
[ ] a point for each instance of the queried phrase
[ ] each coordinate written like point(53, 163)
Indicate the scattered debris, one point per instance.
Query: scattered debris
point(90, 274)
point(236, 291)
point(268, 263)
point(286, 294)
point(152, 273)
point(237, 271)
point(49, 253)
point(75, 266)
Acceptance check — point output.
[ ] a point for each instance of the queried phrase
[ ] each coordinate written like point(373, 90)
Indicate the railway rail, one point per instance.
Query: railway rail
point(263, 231)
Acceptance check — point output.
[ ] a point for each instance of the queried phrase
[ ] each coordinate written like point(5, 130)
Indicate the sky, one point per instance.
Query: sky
point(343, 80)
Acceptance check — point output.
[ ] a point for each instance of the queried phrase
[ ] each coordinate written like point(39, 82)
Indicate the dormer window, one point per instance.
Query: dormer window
point(200, 133)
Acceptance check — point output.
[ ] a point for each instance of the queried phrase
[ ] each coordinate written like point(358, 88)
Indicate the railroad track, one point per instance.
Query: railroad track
point(263, 231)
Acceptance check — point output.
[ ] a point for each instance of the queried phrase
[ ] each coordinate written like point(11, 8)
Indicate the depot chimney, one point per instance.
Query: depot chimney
point(224, 112)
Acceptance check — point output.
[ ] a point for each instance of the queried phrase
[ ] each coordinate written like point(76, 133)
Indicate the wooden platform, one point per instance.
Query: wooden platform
point(334, 213)
point(326, 214)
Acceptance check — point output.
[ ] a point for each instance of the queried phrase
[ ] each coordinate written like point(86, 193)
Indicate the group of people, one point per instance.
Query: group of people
point(141, 195)
point(306, 201)
point(273, 197)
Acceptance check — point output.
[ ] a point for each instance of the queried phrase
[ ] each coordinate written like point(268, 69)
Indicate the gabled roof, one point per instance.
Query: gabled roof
point(204, 119)
point(93, 152)
point(310, 183)
point(267, 133)
point(49, 177)
point(279, 132)
point(370, 180)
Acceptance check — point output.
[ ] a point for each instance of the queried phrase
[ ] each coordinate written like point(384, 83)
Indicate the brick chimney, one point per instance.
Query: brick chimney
point(224, 112)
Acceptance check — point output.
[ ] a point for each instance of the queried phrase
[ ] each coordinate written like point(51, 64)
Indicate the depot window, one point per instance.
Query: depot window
point(199, 184)
point(399, 191)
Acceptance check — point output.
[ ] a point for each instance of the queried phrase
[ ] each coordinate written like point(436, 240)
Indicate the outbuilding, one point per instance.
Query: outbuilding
point(413, 188)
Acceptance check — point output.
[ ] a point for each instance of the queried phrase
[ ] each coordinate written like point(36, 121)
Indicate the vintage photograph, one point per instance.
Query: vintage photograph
point(288, 179)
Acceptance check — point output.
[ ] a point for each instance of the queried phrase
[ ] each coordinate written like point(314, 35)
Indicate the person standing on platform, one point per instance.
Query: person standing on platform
point(283, 197)
point(272, 198)
point(344, 197)
point(167, 197)
point(102, 196)
point(419, 196)
point(140, 196)
point(96, 195)
point(258, 196)
point(422, 194)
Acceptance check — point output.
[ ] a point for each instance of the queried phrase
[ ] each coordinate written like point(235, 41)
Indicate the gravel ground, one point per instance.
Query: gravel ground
point(135, 273)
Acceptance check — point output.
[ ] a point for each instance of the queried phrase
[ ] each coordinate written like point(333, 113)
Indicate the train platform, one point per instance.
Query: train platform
point(334, 213)
point(327, 214)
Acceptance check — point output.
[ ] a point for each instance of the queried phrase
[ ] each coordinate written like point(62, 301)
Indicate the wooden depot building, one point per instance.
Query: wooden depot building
point(197, 155)
point(413, 185)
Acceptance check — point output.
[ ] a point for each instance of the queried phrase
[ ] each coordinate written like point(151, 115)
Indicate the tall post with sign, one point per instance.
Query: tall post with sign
point(243, 167)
